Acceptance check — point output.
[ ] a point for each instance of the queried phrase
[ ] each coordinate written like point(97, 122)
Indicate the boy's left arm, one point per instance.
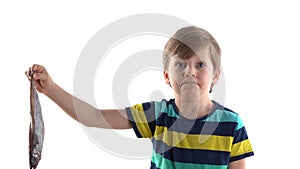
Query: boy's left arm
point(239, 164)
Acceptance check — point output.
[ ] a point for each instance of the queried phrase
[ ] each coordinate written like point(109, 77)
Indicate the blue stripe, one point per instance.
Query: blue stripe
point(196, 126)
point(219, 114)
point(224, 114)
point(191, 155)
point(149, 109)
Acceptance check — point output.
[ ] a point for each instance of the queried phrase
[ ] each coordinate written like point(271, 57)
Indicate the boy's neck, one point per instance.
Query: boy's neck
point(194, 109)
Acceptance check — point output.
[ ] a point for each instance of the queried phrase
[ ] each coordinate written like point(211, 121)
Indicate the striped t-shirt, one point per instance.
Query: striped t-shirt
point(210, 142)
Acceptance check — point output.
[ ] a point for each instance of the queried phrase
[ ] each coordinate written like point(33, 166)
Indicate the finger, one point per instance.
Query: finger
point(40, 76)
point(34, 67)
point(38, 68)
point(38, 87)
point(27, 73)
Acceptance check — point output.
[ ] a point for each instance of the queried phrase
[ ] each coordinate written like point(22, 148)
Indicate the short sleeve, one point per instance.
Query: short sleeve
point(142, 119)
point(241, 146)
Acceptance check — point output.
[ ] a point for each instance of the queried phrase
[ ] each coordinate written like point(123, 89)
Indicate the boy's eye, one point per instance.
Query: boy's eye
point(180, 64)
point(201, 65)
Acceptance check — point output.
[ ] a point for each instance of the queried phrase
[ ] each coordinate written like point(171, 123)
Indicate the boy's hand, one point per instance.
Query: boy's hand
point(41, 77)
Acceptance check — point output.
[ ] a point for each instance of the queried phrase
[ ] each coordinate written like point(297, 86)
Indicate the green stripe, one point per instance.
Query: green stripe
point(164, 163)
point(222, 116)
point(172, 112)
point(240, 123)
point(161, 107)
point(225, 116)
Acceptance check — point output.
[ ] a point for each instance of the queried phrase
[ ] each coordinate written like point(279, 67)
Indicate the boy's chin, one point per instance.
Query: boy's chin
point(190, 87)
point(190, 91)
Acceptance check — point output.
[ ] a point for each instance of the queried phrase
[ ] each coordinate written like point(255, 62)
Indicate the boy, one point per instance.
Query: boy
point(190, 131)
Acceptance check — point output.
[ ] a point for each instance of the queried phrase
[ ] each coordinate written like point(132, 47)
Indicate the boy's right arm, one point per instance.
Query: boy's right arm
point(76, 108)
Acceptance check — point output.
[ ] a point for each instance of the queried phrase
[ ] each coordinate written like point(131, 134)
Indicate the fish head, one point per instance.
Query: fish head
point(35, 157)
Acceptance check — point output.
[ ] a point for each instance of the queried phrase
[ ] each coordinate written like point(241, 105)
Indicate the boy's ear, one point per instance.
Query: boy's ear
point(214, 80)
point(216, 76)
point(166, 76)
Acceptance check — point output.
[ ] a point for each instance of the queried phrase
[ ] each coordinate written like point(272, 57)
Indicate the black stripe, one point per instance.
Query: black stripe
point(227, 109)
point(240, 135)
point(196, 127)
point(149, 109)
point(131, 120)
point(235, 158)
point(153, 166)
point(191, 155)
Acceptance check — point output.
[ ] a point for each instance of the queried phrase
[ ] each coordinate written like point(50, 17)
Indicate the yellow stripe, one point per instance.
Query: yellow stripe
point(193, 141)
point(141, 121)
point(241, 148)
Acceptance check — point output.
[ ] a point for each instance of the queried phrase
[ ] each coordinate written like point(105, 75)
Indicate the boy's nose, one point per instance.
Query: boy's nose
point(190, 72)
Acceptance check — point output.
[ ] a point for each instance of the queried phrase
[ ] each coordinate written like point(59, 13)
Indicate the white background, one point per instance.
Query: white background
point(260, 43)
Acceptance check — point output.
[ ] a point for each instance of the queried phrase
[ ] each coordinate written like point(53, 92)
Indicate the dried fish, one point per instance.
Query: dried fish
point(36, 128)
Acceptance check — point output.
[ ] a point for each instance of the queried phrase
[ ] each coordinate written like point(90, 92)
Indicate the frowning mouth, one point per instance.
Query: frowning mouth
point(189, 83)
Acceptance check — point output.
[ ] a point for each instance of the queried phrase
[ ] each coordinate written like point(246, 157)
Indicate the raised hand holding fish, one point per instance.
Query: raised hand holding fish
point(42, 80)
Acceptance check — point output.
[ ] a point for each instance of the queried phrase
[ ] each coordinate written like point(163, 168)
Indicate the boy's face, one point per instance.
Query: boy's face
point(191, 77)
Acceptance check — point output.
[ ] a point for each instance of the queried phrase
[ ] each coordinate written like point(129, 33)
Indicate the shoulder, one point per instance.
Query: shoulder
point(224, 114)
point(154, 107)
point(150, 107)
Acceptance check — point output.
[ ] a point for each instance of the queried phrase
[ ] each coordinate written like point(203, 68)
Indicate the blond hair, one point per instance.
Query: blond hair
point(186, 41)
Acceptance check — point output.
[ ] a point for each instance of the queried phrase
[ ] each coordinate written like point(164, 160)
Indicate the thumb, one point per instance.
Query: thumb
point(41, 76)
point(41, 80)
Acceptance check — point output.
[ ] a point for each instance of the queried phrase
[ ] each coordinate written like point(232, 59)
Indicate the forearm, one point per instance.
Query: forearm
point(74, 107)
point(85, 113)
point(240, 164)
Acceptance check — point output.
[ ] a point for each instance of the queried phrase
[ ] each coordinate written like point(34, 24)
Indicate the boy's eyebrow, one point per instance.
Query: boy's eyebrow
point(200, 59)
point(204, 58)
point(178, 58)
